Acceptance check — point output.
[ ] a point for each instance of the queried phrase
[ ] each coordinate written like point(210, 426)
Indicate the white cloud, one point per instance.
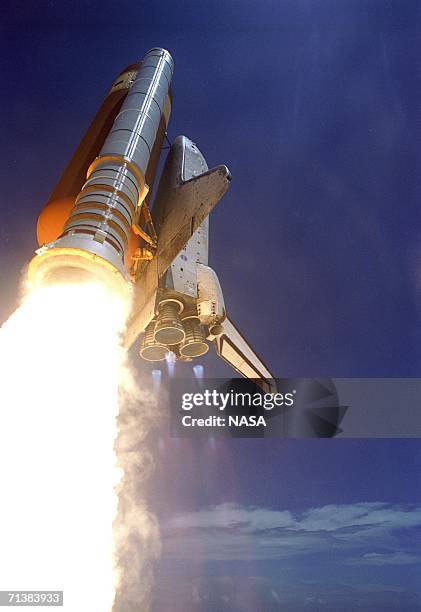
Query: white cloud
point(378, 515)
point(379, 559)
point(230, 531)
point(232, 516)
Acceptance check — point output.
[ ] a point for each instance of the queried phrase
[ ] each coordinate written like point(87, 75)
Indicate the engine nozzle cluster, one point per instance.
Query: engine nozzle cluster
point(170, 332)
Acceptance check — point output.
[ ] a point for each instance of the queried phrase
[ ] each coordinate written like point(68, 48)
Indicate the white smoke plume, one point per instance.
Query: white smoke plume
point(136, 529)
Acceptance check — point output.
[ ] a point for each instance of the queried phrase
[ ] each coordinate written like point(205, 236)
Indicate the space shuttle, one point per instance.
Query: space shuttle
point(100, 223)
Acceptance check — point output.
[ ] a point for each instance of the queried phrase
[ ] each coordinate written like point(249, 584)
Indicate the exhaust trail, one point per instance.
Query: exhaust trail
point(136, 529)
point(61, 366)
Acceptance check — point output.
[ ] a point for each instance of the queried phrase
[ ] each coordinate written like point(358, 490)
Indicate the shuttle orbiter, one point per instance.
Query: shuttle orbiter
point(99, 221)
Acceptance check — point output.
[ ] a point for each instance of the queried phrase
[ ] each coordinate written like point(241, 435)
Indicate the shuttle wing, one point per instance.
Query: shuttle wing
point(189, 205)
point(236, 351)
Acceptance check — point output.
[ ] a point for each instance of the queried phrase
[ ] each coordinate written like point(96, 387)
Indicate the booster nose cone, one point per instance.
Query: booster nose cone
point(169, 329)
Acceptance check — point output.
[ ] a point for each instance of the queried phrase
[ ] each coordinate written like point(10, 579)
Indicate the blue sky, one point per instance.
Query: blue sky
point(314, 106)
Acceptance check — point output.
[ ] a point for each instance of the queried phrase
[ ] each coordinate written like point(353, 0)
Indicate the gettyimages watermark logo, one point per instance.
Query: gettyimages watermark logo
point(296, 408)
point(245, 408)
point(220, 401)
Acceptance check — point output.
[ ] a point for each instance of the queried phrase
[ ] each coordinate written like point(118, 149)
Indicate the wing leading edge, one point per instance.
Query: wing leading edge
point(237, 352)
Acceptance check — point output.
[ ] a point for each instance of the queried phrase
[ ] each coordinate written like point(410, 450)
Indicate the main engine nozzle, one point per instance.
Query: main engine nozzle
point(169, 328)
point(96, 235)
point(150, 349)
point(194, 344)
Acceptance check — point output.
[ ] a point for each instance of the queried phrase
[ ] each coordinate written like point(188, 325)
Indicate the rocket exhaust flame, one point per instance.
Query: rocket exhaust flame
point(71, 265)
point(61, 364)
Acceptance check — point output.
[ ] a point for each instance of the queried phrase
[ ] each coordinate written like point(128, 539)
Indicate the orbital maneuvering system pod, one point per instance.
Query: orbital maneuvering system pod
point(99, 223)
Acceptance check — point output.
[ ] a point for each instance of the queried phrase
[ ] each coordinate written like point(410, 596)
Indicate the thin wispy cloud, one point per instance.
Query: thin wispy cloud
point(230, 531)
point(380, 559)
